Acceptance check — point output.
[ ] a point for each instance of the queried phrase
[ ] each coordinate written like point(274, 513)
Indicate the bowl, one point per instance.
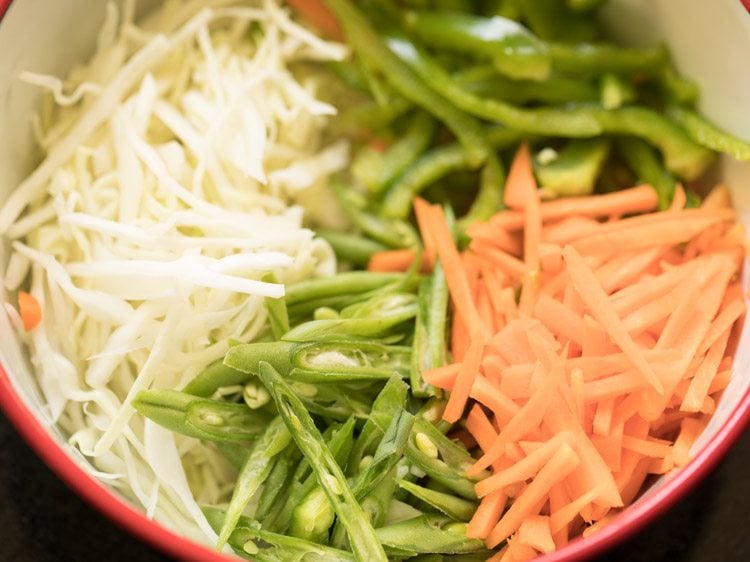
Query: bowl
point(708, 57)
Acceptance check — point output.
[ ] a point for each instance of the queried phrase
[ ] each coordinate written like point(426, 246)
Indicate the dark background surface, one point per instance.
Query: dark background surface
point(41, 520)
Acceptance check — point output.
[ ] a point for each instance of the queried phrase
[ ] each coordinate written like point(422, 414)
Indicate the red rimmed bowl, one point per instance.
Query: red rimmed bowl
point(31, 32)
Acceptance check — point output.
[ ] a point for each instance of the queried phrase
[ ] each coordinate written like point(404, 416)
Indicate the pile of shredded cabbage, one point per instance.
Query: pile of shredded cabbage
point(175, 160)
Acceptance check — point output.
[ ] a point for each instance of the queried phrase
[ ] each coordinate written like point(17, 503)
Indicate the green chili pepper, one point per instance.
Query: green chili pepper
point(353, 248)
point(277, 482)
point(210, 420)
point(390, 401)
point(218, 374)
point(258, 466)
point(429, 348)
point(278, 317)
point(339, 440)
point(389, 452)
point(349, 283)
point(426, 534)
point(251, 541)
point(391, 232)
point(452, 506)
point(362, 538)
point(375, 318)
point(366, 43)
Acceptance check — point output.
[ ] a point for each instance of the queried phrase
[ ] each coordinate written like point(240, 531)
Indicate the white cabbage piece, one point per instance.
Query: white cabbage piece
point(174, 158)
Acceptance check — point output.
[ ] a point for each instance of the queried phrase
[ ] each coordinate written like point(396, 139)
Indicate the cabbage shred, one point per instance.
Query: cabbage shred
point(173, 166)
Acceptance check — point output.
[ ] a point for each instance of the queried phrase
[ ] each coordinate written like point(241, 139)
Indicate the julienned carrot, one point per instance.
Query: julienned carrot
point(593, 295)
point(535, 532)
point(30, 310)
point(569, 414)
point(395, 260)
point(638, 199)
point(465, 379)
point(562, 463)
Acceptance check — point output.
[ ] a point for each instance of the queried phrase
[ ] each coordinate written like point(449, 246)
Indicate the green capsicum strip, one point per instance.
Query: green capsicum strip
point(364, 542)
point(367, 44)
point(376, 169)
point(709, 135)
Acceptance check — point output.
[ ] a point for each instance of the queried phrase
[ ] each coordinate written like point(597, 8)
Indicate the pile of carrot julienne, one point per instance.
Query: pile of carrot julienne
point(604, 368)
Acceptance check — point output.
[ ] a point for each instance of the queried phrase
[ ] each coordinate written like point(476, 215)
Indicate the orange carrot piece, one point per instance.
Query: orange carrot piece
point(527, 418)
point(487, 515)
point(525, 468)
point(30, 310)
point(646, 447)
point(507, 263)
point(603, 417)
point(318, 14)
point(563, 322)
point(455, 273)
point(690, 429)
point(568, 229)
point(395, 260)
point(535, 532)
point(464, 380)
point(592, 293)
point(638, 199)
point(678, 199)
point(720, 197)
point(520, 185)
point(566, 514)
point(443, 377)
point(479, 425)
point(564, 461)
point(700, 384)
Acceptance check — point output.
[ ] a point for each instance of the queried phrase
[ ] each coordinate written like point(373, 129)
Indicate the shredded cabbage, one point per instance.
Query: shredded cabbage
point(174, 160)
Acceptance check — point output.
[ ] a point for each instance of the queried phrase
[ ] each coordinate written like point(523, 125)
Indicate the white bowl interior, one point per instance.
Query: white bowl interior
point(707, 40)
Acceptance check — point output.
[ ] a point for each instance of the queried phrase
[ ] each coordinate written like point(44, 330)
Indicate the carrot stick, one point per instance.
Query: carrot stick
point(395, 260)
point(30, 310)
point(596, 300)
point(627, 201)
point(565, 515)
point(535, 532)
point(525, 468)
point(563, 462)
point(487, 514)
point(422, 213)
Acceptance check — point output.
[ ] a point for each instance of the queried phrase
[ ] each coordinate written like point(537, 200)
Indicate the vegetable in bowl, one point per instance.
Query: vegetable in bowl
point(307, 384)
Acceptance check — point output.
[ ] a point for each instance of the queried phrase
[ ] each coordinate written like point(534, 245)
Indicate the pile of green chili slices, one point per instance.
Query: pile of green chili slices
point(337, 440)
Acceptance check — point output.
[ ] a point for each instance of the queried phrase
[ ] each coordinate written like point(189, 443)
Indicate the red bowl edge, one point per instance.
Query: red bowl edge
point(630, 522)
point(96, 494)
point(4, 4)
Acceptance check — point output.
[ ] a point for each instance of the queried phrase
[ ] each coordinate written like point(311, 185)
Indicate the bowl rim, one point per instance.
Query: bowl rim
point(127, 517)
